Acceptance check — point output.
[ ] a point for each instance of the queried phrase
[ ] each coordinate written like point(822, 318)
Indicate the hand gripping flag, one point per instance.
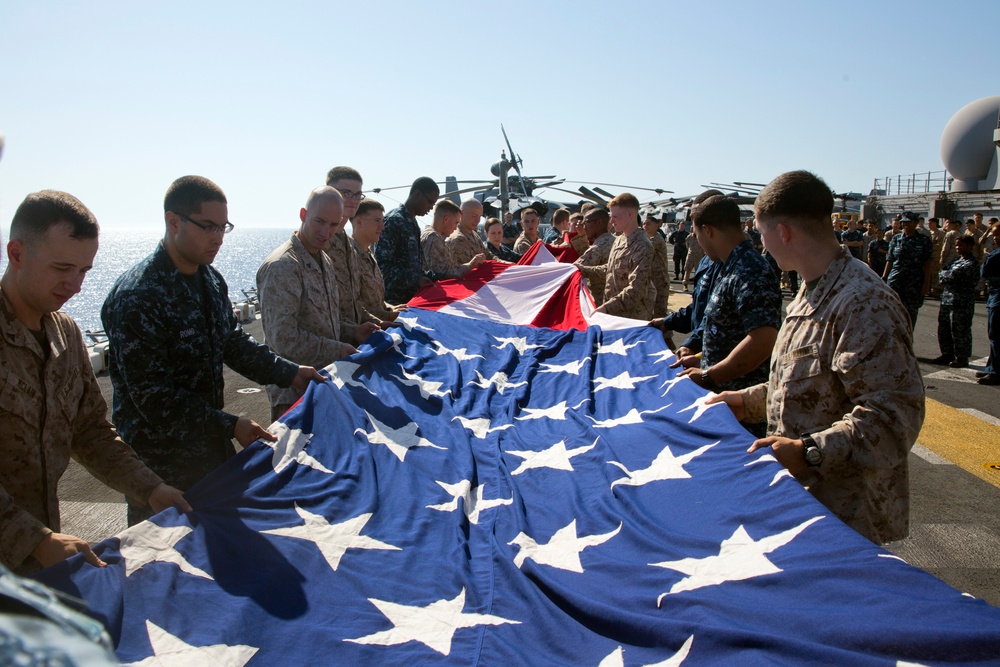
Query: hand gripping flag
point(472, 490)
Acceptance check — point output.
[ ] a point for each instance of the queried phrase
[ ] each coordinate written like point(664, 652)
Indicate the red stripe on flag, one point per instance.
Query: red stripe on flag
point(438, 295)
point(563, 311)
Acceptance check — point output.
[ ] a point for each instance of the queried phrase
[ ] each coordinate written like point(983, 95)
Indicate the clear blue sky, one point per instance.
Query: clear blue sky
point(113, 100)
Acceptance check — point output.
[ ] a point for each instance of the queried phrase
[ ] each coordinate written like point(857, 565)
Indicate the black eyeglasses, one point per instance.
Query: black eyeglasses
point(347, 194)
point(208, 227)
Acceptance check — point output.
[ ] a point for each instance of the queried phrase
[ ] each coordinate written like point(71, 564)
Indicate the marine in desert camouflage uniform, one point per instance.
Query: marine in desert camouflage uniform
point(529, 235)
point(627, 273)
point(659, 269)
point(465, 242)
point(368, 224)
point(438, 262)
point(348, 183)
point(299, 297)
point(51, 407)
point(594, 259)
point(844, 401)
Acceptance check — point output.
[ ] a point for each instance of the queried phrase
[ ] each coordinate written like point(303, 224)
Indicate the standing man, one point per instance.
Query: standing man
point(694, 254)
point(908, 265)
point(53, 408)
point(627, 273)
point(844, 401)
point(529, 235)
point(438, 262)
point(367, 224)
point(560, 225)
point(356, 324)
point(465, 242)
point(958, 303)
point(854, 240)
point(171, 327)
point(659, 270)
point(591, 263)
point(949, 246)
point(937, 243)
point(398, 250)
point(299, 296)
point(990, 273)
point(744, 311)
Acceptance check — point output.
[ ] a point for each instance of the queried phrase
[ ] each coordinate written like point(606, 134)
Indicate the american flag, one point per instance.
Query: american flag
point(473, 490)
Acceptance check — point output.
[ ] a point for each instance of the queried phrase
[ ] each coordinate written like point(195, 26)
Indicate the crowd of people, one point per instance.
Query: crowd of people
point(833, 390)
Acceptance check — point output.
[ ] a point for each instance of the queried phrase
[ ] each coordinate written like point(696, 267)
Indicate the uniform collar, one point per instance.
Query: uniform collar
point(828, 281)
point(15, 333)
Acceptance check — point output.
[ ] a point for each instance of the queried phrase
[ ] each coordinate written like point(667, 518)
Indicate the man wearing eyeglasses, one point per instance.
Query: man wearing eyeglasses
point(171, 327)
point(398, 251)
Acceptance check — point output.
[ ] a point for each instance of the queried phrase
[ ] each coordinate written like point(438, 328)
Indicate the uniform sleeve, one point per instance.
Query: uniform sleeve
point(20, 532)
point(875, 365)
point(279, 288)
point(253, 360)
point(401, 279)
point(755, 403)
point(144, 354)
point(759, 301)
point(641, 261)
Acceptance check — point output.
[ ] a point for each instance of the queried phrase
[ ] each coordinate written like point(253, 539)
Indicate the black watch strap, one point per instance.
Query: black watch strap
point(812, 452)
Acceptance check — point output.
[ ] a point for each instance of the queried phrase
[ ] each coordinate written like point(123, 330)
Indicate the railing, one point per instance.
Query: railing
point(903, 184)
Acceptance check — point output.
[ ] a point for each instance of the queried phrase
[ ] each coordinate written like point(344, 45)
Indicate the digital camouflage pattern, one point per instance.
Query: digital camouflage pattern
point(399, 255)
point(745, 296)
point(694, 255)
point(592, 264)
point(628, 289)
point(958, 283)
point(523, 244)
point(843, 371)
point(949, 247)
point(372, 297)
point(169, 336)
point(990, 273)
point(908, 255)
point(300, 311)
point(345, 271)
point(691, 318)
point(438, 263)
point(51, 409)
point(659, 276)
point(464, 246)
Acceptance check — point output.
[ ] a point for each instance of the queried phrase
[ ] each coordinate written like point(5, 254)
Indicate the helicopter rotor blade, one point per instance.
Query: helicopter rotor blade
point(572, 192)
point(477, 188)
point(604, 192)
point(515, 160)
point(540, 186)
point(590, 194)
point(659, 191)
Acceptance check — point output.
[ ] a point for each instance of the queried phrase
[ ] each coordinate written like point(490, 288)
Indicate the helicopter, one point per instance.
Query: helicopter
point(512, 192)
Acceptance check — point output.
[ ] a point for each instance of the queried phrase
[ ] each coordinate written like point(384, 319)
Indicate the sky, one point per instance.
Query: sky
point(112, 101)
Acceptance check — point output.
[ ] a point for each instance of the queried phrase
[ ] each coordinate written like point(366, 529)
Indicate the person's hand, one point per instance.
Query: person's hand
point(685, 359)
point(695, 374)
point(164, 496)
point(57, 547)
point(733, 399)
point(247, 431)
point(657, 323)
point(477, 260)
point(306, 375)
point(790, 453)
point(363, 331)
point(399, 308)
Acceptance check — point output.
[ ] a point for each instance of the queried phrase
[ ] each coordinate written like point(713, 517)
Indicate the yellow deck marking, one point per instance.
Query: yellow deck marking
point(967, 441)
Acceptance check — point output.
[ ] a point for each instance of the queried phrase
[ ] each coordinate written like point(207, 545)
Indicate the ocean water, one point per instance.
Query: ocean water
point(242, 252)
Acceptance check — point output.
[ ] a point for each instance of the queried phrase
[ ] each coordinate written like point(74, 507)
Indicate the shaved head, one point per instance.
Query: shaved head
point(323, 196)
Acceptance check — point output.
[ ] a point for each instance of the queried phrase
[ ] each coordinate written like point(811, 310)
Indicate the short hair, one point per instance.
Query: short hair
point(625, 200)
point(934, 220)
point(992, 220)
point(559, 215)
point(424, 185)
point(719, 211)
point(341, 174)
point(599, 212)
point(586, 206)
point(490, 222)
point(444, 208)
point(575, 216)
point(967, 239)
point(186, 195)
point(801, 197)
point(707, 194)
point(42, 210)
point(367, 204)
point(530, 209)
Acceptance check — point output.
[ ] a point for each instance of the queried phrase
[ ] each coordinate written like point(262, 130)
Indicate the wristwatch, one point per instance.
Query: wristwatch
point(709, 382)
point(813, 454)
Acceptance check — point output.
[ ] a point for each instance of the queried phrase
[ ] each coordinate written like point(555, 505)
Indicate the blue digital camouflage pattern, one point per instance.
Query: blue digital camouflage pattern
point(399, 256)
point(169, 336)
point(691, 318)
point(908, 255)
point(746, 296)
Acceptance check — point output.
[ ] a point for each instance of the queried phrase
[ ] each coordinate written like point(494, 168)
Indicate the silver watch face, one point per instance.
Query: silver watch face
point(813, 456)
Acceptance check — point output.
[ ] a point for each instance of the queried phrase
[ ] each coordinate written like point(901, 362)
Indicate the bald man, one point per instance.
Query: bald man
point(465, 242)
point(299, 297)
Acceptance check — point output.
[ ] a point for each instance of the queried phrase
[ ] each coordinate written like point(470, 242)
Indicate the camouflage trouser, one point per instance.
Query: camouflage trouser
point(955, 331)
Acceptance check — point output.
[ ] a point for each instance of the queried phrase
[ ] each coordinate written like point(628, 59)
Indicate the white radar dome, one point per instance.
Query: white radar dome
point(967, 148)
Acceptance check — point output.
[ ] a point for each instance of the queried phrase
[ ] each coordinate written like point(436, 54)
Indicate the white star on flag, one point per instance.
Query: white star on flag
point(778, 475)
point(562, 551)
point(556, 457)
point(475, 504)
point(664, 466)
point(498, 380)
point(433, 626)
point(519, 344)
point(571, 368)
point(700, 407)
point(633, 416)
point(428, 388)
point(617, 658)
point(620, 381)
point(557, 411)
point(169, 651)
point(332, 539)
point(342, 373)
point(740, 557)
point(461, 353)
point(398, 440)
point(669, 384)
point(291, 446)
point(618, 347)
point(411, 323)
point(662, 355)
point(147, 543)
point(480, 426)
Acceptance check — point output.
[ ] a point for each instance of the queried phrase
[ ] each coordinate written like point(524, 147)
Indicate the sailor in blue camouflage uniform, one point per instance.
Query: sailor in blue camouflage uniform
point(908, 265)
point(958, 283)
point(990, 273)
point(744, 312)
point(398, 252)
point(171, 327)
